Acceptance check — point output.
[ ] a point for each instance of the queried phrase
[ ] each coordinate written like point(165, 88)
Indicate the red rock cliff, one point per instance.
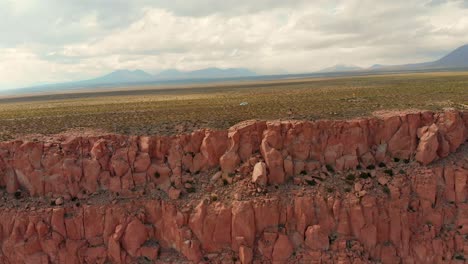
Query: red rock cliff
point(356, 191)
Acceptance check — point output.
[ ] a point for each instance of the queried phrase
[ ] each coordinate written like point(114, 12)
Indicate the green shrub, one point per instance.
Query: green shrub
point(386, 190)
point(388, 172)
point(350, 177)
point(311, 182)
point(364, 175)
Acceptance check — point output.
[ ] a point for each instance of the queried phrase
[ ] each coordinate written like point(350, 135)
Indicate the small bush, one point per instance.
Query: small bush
point(406, 161)
point(396, 159)
point(459, 256)
point(349, 244)
point(347, 189)
point(303, 172)
point(382, 165)
point(371, 167)
point(311, 182)
point(332, 238)
point(388, 172)
point(402, 172)
point(330, 168)
point(350, 177)
point(157, 175)
point(359, 167)
point(191, 190)
point(330, 189)
point(214, 197)
point(364, 175)
point(386, 190)
point(225, 182)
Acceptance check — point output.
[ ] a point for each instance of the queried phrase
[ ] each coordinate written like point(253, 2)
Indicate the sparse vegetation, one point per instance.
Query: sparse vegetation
point(225, 182)
point(459, 256)
point(389, 172)
point(214, 197)
point(167, 111)
point(311, 182)
point(386, 190)
point(364, 175)
point(351, 177)
point(332, 238)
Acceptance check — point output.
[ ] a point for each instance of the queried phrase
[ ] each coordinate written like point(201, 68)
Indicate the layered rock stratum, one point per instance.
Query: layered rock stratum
point(387, 189)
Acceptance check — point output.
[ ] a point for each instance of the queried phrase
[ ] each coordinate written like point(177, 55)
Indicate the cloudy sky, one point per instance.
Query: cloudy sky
point(57, 40)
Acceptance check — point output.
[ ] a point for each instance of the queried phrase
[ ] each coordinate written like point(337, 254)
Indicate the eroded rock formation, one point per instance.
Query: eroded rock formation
point(357, 191)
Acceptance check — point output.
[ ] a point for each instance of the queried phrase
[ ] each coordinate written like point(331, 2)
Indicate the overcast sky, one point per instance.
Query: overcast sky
point(61, 40)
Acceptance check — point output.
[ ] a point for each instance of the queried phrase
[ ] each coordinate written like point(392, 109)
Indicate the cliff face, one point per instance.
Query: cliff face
point(358, 191)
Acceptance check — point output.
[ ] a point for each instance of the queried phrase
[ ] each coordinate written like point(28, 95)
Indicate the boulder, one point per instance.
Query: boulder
point(283, 249)
point(428, 145)
point(316, 238)
point(134, 236)
point(259, 174)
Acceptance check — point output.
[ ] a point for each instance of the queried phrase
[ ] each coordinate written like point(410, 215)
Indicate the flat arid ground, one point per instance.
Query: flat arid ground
point(173, 110)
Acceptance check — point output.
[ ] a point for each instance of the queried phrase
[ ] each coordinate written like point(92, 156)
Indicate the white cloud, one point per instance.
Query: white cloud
point(68, 40)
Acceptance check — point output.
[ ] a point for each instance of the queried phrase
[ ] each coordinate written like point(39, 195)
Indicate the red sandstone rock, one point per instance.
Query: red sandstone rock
point(243, 225)
point(283, 249)
point(245, 255)
point(316, 239)
point(174, 193)
point(422, 219)
point(135, 235)
point(259, 175)
point(149, 252)
point(427, 149)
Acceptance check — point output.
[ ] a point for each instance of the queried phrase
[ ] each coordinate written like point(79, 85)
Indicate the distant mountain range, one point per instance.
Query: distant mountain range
point(454, 60)
point(136, 76)
point(342, 68)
